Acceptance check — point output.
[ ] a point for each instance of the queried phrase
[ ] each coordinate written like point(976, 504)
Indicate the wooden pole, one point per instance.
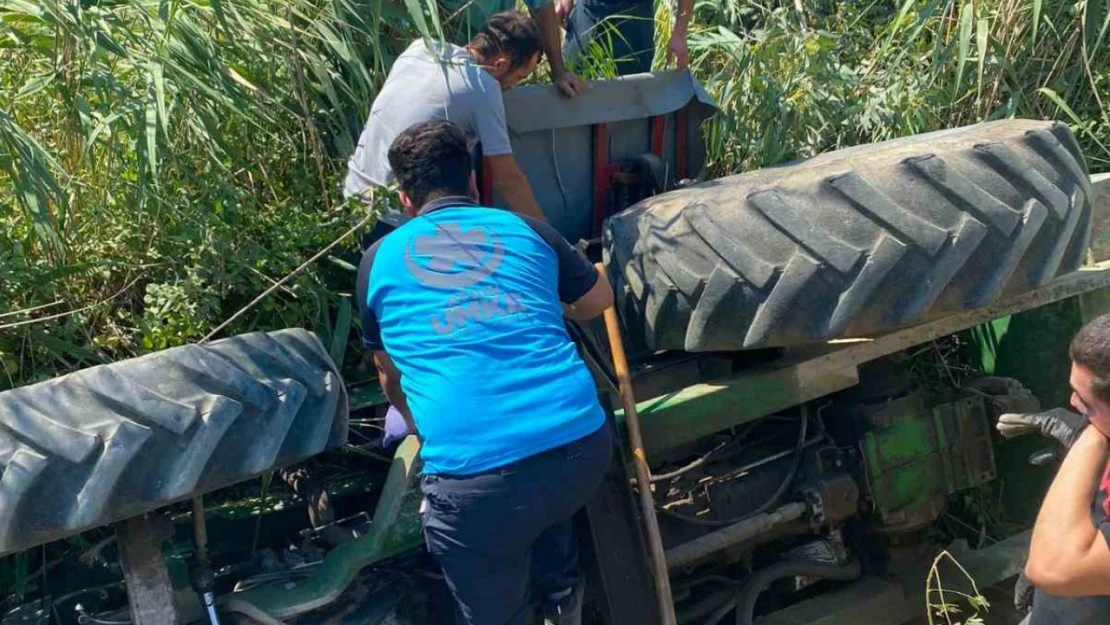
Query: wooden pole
point(643, 473)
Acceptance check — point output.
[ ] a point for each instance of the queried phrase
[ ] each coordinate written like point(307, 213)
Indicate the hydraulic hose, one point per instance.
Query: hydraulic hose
point(762, 579)
point(787, 482)
point(250, 611)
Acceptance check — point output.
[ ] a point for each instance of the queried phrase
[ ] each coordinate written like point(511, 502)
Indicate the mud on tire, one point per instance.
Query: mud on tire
point(114, 441)
point(853, 242)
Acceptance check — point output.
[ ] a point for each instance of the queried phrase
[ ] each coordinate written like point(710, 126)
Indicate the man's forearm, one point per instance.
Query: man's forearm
point(1066, 549)
point(683, 15)
point(548, 24)
point(517, 194)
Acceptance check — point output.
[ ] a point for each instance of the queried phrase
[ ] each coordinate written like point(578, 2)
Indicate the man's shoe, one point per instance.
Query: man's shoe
point(567, 610)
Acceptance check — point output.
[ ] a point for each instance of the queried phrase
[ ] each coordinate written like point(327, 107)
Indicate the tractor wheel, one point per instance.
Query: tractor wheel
point(115, 441)
point(853, 242)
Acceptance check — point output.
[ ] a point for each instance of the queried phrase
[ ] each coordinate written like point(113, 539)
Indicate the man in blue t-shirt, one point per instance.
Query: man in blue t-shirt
point(463, 307)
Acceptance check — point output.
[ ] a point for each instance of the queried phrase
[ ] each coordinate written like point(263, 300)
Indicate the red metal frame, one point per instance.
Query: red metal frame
point(681, 146)
point(658, 128)
point(603, 175)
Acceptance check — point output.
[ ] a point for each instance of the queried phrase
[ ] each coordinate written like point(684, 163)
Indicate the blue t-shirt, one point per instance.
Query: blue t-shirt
point(466, 301)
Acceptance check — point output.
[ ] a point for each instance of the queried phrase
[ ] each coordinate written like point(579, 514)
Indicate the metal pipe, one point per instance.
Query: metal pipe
point(200, 530)
point(203, 576)
point(694, 550)
point(643, 473)
point(250, 611)
point(766, 460)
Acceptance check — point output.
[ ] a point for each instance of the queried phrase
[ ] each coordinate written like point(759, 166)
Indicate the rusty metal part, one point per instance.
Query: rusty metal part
point(832, 499)
point(203, 577)
point(149, 589)
point(694, 550)
point(643, 473)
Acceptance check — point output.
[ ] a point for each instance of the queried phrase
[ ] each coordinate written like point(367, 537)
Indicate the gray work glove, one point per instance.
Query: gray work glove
point(1023, 593)
point(1060, 424)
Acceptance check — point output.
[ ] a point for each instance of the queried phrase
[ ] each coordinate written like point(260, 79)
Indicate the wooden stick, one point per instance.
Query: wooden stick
point(643, 473)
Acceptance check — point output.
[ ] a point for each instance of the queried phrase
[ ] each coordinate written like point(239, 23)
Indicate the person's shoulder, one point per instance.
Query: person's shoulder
point(386, 246)
point(418, 48)
point(476, 79)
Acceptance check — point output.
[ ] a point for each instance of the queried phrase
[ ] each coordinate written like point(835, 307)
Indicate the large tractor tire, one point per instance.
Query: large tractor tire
point(854, 242)
point(114, 441)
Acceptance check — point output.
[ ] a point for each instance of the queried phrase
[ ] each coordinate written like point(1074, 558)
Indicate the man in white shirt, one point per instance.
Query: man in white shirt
point(462, 85)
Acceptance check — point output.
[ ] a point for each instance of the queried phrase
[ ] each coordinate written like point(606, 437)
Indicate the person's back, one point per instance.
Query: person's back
point(463, 308)
point(468, 302)
point(450, 86)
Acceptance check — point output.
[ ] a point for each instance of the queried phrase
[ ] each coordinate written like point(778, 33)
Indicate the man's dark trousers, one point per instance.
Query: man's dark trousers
point(505, 533)
point(624, 28)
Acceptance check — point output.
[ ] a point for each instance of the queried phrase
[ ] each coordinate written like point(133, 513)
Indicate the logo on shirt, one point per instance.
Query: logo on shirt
point(454, 257)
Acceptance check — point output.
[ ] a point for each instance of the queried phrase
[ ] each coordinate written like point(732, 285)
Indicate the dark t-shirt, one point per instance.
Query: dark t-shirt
point(1052, 610)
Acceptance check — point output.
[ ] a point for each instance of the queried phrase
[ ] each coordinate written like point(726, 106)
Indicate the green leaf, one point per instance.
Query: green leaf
point(982, 32)
point(967, 16)
point(159, 81)
point(416, 12)
point(342, 264)
point(1058, 101)
point(342, 332)
point(150, 122)
point(1037, 6)
point(62, 347)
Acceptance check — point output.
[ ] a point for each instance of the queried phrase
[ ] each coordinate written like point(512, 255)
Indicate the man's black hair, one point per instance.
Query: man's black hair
point(511, 33)
point(430, 160)
point(1090, 349)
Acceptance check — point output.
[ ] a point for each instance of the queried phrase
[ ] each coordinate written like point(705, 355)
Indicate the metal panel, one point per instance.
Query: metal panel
point(552, 137)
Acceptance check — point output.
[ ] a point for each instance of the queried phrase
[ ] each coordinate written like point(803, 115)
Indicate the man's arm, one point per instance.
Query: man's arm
point(390, 379)
point(593, 303)
point(677, 48)
point(1068, 556)
point(512, 185)
point(548, 23)
point(583, 289)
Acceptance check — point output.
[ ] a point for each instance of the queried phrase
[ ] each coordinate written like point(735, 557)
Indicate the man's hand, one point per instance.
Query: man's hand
point(569, 84)
point(1060, 424)
point(548, 24)
point(677, 50)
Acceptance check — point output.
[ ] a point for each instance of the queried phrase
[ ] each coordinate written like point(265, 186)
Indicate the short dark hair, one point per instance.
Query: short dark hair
point(511, 33)
point(430, 160)
point(1090, 349)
